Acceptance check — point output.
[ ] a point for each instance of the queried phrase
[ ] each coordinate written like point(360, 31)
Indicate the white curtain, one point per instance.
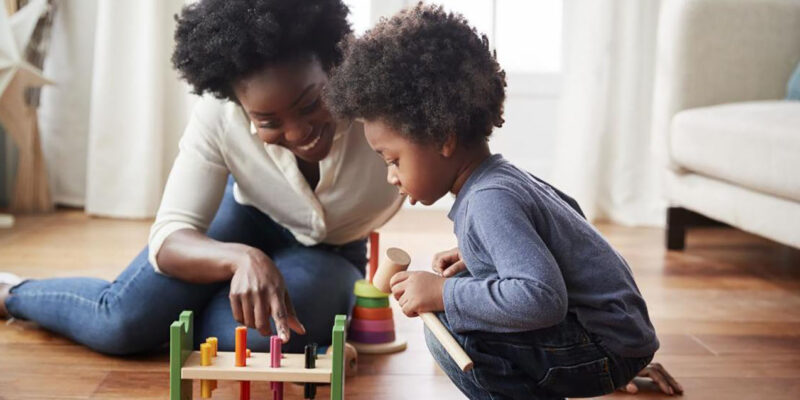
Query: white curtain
point(603, 155)
point(111, 124)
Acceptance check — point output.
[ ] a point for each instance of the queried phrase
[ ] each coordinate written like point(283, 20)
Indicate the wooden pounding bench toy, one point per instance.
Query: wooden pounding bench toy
point(208, 365)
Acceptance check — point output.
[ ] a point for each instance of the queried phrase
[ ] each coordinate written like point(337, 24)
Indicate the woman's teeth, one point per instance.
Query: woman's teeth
point(310, 145)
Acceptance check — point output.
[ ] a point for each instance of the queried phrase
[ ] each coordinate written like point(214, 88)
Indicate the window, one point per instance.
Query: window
point(527, 36)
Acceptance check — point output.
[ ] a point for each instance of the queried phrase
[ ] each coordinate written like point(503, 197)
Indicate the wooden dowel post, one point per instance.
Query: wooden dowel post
point(240, 347)
point(275, 362)
point(374, 239)
point(205, 360)
point(310, 389)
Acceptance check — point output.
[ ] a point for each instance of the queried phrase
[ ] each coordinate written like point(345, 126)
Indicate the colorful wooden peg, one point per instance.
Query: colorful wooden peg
point(244, 390)
point(310, 389)
point(241, 346)
point(275, 344)
point(241, 360)
point(205, 360)
point(214, 345)
point(374, 245)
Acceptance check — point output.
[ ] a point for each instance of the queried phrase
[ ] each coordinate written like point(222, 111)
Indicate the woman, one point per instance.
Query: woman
point(267, 205)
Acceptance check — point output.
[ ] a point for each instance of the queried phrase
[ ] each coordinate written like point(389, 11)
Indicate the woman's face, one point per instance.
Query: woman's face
point(285, 105)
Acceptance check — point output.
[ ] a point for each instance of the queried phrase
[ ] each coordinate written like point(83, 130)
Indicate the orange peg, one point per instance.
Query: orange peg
point(241, 346)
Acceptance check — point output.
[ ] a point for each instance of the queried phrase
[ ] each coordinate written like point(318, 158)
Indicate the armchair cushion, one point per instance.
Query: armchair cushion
point(750, 144)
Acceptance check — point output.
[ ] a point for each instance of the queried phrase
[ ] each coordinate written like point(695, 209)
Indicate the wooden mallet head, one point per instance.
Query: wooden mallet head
point(396, 260)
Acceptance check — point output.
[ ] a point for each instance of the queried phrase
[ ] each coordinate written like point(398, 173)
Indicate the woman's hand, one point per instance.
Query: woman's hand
point(448, 263)
point(660, 377)
point(418, 292)
point(258, 291)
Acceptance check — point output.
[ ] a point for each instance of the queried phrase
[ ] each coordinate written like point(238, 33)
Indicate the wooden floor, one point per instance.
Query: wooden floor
point(727, 311)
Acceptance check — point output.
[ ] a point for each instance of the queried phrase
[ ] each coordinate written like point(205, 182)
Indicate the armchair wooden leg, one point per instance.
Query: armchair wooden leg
point(676, 228)
point(679, 220)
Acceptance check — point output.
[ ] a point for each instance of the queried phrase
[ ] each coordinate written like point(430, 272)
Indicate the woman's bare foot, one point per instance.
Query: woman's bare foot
point(7, 281)
point(4, 288)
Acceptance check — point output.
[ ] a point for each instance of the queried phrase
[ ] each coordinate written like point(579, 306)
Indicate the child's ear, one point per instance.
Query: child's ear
point(449, 146)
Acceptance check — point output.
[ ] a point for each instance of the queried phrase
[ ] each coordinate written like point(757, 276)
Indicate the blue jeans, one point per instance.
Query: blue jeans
point(132, 314)
point(551, 363)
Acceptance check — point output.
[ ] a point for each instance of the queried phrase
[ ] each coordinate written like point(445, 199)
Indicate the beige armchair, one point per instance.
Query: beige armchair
point(730, 145)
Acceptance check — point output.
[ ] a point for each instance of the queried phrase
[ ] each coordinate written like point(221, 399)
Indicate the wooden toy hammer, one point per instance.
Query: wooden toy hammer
point(398, 260)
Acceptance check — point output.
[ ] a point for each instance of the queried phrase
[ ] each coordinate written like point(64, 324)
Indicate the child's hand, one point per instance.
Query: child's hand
point(448, 263)
point(418, 292)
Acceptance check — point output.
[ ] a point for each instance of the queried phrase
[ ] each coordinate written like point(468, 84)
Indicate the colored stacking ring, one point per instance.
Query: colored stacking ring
point(368, 302)
point(366, 325)
point(366, 289)
point(371, 337)
point(372, 313)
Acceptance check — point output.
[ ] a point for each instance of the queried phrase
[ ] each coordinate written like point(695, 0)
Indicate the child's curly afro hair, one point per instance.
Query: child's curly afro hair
point(424, 72)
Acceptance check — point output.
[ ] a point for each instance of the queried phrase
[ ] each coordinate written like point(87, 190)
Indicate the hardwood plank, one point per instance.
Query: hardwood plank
point(751, 344)
point(32, 380)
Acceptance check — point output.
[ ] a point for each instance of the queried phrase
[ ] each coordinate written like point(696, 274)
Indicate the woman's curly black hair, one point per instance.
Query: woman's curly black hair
point(424, 72)
point(221, 41)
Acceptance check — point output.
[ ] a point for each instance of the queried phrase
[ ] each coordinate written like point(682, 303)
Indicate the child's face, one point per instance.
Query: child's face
point(423, 172)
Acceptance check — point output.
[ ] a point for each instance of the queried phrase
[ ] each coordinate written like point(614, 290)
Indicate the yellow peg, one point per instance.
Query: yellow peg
point(205, 360)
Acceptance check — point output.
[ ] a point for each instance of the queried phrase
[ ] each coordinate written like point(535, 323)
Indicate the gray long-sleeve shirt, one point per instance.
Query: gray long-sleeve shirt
point(531, 256)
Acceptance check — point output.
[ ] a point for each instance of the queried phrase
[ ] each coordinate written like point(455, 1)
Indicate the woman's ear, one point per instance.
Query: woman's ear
point(449, 146)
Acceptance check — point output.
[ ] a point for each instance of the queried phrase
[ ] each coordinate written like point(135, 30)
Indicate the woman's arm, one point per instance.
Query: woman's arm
point(191, 256)
point(257, 287)
point(180, 248)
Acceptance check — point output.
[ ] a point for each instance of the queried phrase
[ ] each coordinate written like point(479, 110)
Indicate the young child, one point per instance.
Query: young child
point(544, 306)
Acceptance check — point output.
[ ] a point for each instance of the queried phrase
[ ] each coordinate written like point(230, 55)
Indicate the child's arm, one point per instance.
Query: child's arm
point(528, 292)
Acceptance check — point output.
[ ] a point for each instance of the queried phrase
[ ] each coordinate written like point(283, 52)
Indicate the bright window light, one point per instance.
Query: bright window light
point(359, 15)
point(529, 35)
